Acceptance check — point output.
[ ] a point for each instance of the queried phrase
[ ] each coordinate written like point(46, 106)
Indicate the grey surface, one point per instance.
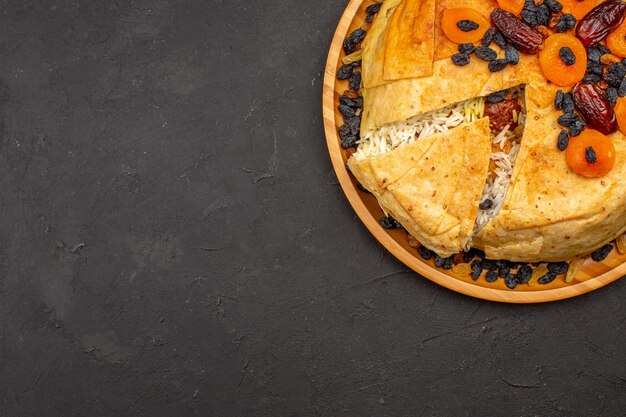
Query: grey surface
point(174, 241)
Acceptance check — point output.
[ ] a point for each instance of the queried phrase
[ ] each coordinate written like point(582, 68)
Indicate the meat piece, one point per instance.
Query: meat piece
point(501, 114)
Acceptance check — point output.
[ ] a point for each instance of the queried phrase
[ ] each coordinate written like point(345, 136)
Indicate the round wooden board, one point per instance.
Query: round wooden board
point(592, 276)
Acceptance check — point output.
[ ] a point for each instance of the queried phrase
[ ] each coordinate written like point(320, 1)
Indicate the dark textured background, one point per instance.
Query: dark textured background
point(174, 241)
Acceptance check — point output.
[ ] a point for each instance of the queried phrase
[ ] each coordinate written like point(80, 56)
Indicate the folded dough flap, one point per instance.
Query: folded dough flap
point(433, 186)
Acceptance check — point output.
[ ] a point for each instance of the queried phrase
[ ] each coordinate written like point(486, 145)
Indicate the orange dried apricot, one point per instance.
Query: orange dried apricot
point(616, 40)
point(552, 64)
point(513, 6)
point(590, 154)
point(453, 20)
point(620, 114)
point(579, 8)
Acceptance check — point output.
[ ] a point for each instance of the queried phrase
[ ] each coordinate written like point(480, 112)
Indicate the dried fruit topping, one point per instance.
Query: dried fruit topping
point(512, 6)
point(345, 71)
point(558, 100)
point(553, 5)
point(462, 269)
point(538, 272)
point(463, 25)
point(563, 140)
point(355, 80)
point(500, 40)
point(595, 108)
point(558, 49)
point(425, 253)
point(486, 204)
point(353, 40)
point(616, 40)
point(566, 23)
point(611, 95)
point(600, 21)
point(511, 55)
point(501, 114)
point(620, 114)
point(373, 8)
point(444, 263)
point(461, 59)
point(577, 154)
point(510, 281)
point(547, 278)
point(620, 244)
point(389, 222)
point(497, 97)
point(579, 8)
point(601, 254)
point(524, 274)
point(491, 276)
point(497, 65)
point(489, 36)
point(486, 54)
point(590, 155)
point(574, 267)
point(520, 35)
point(466, 48)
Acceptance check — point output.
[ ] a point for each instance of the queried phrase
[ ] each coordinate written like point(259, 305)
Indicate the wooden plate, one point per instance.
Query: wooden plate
point(592, 276)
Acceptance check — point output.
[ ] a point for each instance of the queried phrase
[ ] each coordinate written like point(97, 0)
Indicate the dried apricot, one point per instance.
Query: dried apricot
point(554, 66)
point(463, 25)
point(590, 154)
point(513, 6)
point(579, 8)
point(620, 113)
point(616, 40)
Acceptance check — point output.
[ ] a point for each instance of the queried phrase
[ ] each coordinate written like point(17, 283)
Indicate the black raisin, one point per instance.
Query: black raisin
point(497, 97)
point(524, 274)
point(577, 128)
point(488, 264)
point(357, 36)
point(611, 95)
point(356, 64)
point(601, 254)
point(553, 5)
point(348, 142)
point(467, 25)
point(486, 54)
point(346, 111)
point(489, 35)
point(511, 55)
point(547, 278)
point(346, 101)
point(491, 276)
point(355, 80)
point(461, 59)
point(425, 253)
point(594, 54)
point(543, 15)
point(369, 18)
point(604, 49)
point(345, 71)
point(349, 46)
point(568, 119)
point(373, 8)
point(344, 131)
point(504, 271)
point(361, 188)
point(501, 263)
point(469, 255)
point(568, 103)
point(500, 40)
point(591, 78)
point(529, 13)
point(389, 222)
point(486, 205)
point(558, 100)
point(590, 155)
point(558, 267)
point(594, 68)
point(621, 91)
point(569, 20)
point(510, 281)
point(613, 80)
point(466, 48)
point(567, 56)
point(477, 270)
point(618, 69)
point(444, 263)
point(355, 125)
point(497, 65)
point(563, 140)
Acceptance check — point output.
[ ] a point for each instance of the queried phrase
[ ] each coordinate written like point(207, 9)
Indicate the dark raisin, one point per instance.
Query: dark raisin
point(344, 131)
point(497, 65)
point(486, 205)
point(618, 69)
point(591, 78)
point(349, 46)
point(611, 95)
point(524, 274)
point(568, 119)
point(361, 188)
point(355, 125)
point(567, 56)
point(500, 40)
point(529, 15)
point(614, 80)
point(467, 25)
point(553, 5)
point(357, 36)
point(477, 270)
point(601, 254)
point(469, 255)
point(547, 278)
point(558, 100)
point(345, 71)
point(590, 155)
point(621, 91)
point(497, 97)
point(491, 276)
point(558, 267)
point(489, 264)
point(543, 15)
point(489, 35)
point(604, 49)
point(510, 281)
point(511, 55)
point(563, 140)
point(425, 253)
point(370, 18)
point(503, 272)
point(577, 128)
point(568, 103)
point(358, 102)
point(594, 67)
point(501, 263)
point(373, 8)
point(460, 59)
point(448, 262)
point(348, 102)
point(346, 111)
point(389, 222)
point(466, 48)
point(594, 54)
point(349, 142)
point(357, 64)
point(486, 54)
point(355, 80)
